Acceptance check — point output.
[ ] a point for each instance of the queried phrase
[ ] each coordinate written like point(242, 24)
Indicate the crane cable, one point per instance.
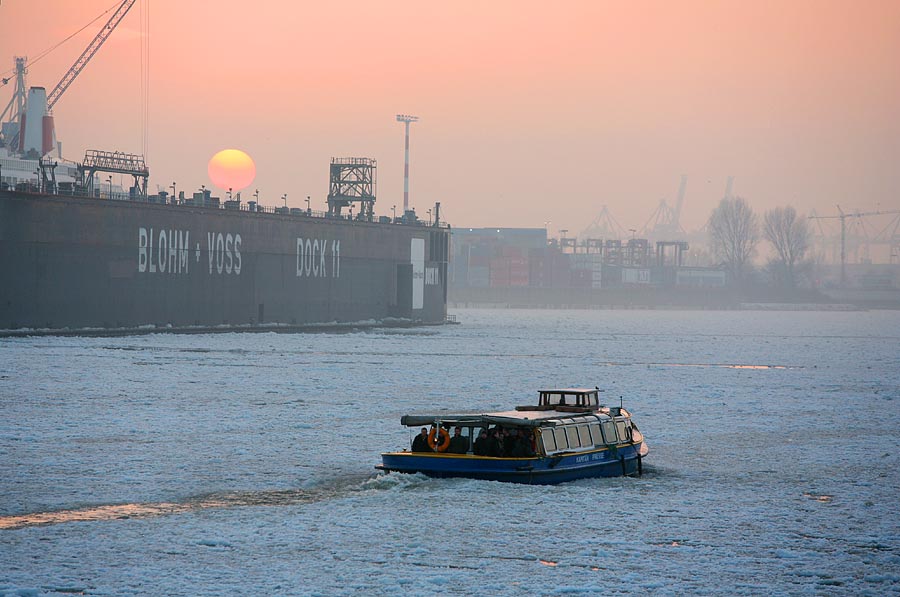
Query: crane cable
point(44, 53)
point(145, 76)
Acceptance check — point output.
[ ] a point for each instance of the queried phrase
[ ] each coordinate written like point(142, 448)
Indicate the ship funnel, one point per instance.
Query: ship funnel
point(48, 137)
point(32, 135)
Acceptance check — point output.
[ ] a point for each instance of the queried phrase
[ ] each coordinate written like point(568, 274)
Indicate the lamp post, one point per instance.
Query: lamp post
point(256, 196)
point(632, 231)
point(284, 197)
point(109, 178)
point(308, 209)
point(429, 217)
point(394, 210)
point(173, 191)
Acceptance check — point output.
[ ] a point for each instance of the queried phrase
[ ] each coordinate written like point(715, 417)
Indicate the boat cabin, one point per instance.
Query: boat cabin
point(559, 429)
point(584, 397)
point(567, 400)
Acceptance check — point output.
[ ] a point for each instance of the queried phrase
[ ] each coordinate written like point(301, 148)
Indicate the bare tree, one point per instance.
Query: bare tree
point(789, 235)
point(734, 232)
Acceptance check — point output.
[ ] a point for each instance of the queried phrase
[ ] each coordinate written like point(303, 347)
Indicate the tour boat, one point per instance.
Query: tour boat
point(568, 435)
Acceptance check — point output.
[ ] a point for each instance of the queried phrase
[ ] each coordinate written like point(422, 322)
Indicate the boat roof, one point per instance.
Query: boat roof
point(569, 391)
point(522, 418)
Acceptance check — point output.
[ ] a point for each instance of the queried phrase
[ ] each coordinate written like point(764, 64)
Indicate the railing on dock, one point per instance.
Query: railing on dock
point(69, 190)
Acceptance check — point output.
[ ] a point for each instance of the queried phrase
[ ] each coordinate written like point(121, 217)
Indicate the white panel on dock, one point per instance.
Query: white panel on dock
point(417, 257)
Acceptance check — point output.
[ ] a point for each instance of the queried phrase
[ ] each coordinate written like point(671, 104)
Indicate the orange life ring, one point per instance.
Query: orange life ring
point(445, 440)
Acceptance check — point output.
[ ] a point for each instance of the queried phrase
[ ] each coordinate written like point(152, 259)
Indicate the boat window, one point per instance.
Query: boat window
point(549, 442)
point(596, 438)
point(592, 399)
point(469, 433)
point(609, 432)
point(620, 425)
point(559, 434)
point(572, 436)
point(584, 434)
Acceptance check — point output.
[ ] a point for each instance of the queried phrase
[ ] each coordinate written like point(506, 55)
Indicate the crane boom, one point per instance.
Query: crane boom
point(89, 52)
point(855, 214)
point(843, 218)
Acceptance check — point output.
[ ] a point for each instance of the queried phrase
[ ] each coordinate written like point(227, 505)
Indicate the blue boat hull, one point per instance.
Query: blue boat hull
point(544, 470)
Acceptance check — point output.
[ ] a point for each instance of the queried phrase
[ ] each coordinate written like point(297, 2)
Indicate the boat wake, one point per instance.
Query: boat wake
point(328, 490)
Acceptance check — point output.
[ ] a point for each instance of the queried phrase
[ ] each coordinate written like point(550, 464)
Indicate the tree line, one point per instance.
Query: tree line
point(735, 231)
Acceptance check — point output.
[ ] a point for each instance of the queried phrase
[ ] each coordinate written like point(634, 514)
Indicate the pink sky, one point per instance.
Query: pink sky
point(530, 111)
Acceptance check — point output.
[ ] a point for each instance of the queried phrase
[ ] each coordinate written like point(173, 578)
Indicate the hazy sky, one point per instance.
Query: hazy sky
point(530, 111)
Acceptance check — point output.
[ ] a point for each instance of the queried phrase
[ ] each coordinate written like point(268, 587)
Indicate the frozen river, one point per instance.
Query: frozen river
point(243, 463)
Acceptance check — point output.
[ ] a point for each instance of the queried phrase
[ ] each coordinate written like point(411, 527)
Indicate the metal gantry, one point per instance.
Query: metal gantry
point(352, 180)
point(114, 162)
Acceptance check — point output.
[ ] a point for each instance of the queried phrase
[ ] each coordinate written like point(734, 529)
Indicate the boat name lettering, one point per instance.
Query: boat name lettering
point(165, 251)
point(589, 457)
point(224, 252)
point(313, 255)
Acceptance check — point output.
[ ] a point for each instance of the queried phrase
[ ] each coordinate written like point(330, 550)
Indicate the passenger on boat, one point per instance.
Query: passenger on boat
point(458, 443)
point(506, 440)
point(521, 445)
point(481, 444)
point(420, 443)
point(495, 444)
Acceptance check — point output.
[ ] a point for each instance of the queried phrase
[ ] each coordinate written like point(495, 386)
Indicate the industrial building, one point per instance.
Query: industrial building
point(525, 257)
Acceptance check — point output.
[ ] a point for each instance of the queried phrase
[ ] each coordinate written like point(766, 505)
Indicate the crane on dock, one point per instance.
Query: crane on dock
point(89, 52)
point(73, 71)
point(842, 216)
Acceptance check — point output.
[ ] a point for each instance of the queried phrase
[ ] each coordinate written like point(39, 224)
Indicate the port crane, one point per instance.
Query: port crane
point(665, 221)
point(77, 67)
point(89, 52)
point(842, 216)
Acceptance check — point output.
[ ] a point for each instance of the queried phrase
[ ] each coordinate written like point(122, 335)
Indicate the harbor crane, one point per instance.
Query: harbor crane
point(89, 52)
point(665, 221)
point(842, 216)
point(73, 71)
point(604, 226)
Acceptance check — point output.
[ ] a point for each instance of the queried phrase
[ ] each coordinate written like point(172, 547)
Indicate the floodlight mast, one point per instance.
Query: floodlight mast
point(406, 119)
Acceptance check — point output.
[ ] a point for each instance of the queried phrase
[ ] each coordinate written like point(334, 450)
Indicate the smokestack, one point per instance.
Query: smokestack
point(33, 130)
point(48, 139)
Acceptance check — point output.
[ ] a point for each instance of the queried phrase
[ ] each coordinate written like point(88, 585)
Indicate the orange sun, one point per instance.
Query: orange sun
point(231, 169)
